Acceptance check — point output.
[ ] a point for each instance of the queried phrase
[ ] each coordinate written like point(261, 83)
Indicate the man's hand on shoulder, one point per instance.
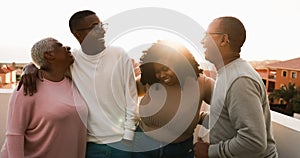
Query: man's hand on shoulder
point(28, 79)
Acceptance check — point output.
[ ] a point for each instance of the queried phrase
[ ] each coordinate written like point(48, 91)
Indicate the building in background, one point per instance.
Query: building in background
point(278, 74)
point(9, 74)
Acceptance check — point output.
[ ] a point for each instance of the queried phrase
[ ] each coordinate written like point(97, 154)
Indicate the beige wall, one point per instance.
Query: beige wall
point(287, 135)
point(4, 98)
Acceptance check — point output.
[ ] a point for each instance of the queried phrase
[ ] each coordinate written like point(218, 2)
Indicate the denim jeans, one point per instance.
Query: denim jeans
point(113, 150)
point(160, 150)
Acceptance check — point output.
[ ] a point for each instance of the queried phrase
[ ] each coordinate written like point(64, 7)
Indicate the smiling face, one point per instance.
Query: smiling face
point(212, 42)
point(50, 54)
point(90, 32)
point(165, 75)
point(61, 55)
point(223, 41)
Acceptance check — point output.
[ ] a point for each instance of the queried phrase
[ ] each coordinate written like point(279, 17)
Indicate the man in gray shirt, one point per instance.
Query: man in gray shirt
point(239, 118)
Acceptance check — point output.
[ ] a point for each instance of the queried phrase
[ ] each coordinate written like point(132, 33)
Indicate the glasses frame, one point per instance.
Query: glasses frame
point(103, 26)
point(216, 33)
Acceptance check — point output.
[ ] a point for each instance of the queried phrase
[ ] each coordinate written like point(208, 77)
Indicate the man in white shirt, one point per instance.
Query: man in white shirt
point(105, 79)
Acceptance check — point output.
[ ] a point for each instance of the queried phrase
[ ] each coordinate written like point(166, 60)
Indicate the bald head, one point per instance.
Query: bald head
point(235, 30)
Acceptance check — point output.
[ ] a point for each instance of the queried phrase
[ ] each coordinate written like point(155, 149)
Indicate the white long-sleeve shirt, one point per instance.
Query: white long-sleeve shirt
point(106, 81)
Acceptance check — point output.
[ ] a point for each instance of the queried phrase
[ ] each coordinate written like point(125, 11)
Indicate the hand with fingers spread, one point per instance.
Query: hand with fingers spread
point(201, 149)
point(30, 74)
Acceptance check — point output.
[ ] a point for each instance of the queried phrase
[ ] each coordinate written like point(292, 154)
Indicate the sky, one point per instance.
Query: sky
point(273, 26)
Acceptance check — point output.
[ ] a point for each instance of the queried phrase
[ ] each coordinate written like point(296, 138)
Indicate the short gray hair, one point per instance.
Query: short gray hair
point(39, 48)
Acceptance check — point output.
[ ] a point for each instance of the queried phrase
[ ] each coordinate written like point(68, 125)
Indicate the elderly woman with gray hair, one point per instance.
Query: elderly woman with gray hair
point(52, 122)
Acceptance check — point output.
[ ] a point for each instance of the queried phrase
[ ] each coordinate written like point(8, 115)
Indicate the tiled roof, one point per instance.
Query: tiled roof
point(293, 64)
point(263, 74)
point(11, 68)
point(4, 71)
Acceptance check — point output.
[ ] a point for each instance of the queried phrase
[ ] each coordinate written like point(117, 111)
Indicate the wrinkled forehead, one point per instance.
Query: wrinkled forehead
point(54, 44)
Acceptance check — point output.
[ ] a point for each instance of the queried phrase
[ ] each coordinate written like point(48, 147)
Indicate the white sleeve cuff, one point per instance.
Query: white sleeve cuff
point(128, 134)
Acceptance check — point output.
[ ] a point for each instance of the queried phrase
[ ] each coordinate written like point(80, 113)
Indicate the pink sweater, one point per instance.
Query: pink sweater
point(49, 124)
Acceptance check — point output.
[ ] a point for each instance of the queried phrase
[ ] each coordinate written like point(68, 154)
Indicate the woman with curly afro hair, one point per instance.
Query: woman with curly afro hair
point(173, 89)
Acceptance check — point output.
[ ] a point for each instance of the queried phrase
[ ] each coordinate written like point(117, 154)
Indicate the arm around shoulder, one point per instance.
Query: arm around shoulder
point(28, 79)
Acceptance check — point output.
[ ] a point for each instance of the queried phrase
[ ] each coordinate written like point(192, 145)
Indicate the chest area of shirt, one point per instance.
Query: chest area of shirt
point(57, 102)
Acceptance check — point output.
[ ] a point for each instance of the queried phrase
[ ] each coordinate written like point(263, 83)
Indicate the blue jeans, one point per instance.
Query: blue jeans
point(183, 149)
point(113, 150)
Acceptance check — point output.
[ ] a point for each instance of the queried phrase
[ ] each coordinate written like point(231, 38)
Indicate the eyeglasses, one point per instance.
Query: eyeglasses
point(213, 33)
point(95, 27)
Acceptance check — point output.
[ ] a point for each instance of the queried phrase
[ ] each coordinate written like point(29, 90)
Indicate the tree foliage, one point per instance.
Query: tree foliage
point(290, 94)
point(296, 103)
